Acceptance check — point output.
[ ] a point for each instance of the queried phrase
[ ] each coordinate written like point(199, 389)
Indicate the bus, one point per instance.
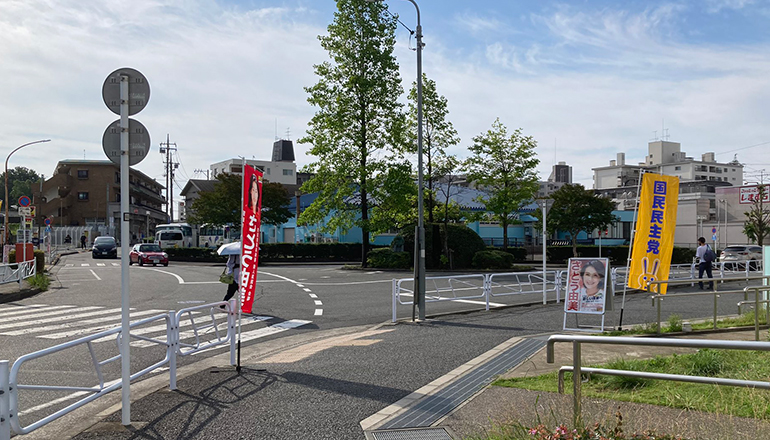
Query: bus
point(214, 236)
point(189, 239)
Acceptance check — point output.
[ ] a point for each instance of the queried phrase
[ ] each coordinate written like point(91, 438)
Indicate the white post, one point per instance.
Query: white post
point(124, 245)
point(545, 204)
point(5, 402)
point(231, 323)
point(172, 339)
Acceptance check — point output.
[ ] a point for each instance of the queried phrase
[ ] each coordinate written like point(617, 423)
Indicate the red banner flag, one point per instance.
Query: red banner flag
point(251, 218)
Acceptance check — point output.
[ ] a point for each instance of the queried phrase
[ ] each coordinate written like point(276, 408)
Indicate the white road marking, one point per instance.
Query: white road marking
point(4, 312)
point(319, 312)
point(116, 264)
point(306, 289)
point(313, 295)
point(57, 310)
point(94, 274)
point(300, 285)
point(84, 264)
point(318, 303)
point(100, 264)
point(77, 332)
point(62, 318)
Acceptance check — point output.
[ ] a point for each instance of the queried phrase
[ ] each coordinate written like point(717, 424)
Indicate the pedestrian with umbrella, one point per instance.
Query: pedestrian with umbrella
point(232, 272)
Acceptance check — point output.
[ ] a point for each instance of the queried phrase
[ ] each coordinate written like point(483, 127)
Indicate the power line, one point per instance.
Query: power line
point(742, 148)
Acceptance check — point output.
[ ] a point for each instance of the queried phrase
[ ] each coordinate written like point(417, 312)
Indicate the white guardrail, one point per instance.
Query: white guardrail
point(15, 273)
point(218, 327)
point(485, 287)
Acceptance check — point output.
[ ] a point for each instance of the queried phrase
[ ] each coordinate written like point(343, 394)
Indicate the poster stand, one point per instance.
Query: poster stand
point(587, 292)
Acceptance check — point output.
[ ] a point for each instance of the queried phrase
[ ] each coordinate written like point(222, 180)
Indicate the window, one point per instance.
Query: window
point(117, 177)
point(677, 168)
point(82, 196)
point(82, 174)
point(288, 172)
point(267, 171)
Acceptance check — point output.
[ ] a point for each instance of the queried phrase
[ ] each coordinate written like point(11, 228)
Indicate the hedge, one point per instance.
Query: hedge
point(618, 255)
point(39, 259)
point(493, 259)
point(388, 259)
point(463, 242)
point(519, 253)
point(277, 252)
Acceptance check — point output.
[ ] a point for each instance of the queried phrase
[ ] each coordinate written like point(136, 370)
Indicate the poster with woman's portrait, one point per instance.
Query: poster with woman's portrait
point(251, 219)
point(586, 285)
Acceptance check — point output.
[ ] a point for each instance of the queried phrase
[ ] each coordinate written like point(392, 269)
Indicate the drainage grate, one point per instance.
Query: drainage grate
point(437, 433)
point(428, 410)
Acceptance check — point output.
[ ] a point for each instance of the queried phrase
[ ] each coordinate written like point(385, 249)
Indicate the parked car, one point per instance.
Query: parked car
point(736, 257)
point(104, 247)
point(147, 253)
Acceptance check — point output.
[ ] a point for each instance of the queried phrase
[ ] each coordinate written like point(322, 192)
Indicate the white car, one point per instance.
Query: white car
point(736, 257)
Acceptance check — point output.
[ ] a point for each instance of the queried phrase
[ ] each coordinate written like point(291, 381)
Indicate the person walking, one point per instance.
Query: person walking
point(83, 241)
point(233, 268)
point(704, 264)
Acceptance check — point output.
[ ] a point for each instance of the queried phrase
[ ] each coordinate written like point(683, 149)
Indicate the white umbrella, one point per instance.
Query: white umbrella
point(230, 249)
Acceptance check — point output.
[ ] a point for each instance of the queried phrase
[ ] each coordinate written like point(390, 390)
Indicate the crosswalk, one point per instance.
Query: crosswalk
point(112, 264)
point(63, 323)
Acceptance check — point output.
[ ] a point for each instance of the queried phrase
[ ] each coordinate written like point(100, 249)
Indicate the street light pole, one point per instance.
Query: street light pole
point(5, 239)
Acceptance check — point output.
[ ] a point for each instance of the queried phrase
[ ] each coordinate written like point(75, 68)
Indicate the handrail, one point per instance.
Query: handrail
point(655, 342)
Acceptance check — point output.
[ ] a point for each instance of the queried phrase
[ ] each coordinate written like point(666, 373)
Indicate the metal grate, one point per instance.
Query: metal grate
point(430, 409)
point(438, 433)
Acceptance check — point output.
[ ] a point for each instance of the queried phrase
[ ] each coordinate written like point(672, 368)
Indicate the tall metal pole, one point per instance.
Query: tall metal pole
point(419, 276)
point(545, 205)
point(6, 201)
point(124, 245)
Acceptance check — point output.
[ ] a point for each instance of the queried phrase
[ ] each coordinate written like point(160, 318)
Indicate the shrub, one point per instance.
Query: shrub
point(205, 255)
point(675, 323)
point(463, 243)
point(388, 259)
point(39, 259)
point(519, 254)
point(493, 259)
point(39, 281)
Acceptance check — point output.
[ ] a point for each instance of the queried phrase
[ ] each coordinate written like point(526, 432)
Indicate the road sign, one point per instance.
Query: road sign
point(714, 237)
point(138, 91)
point(47, 222)
point(713, 230)
point(32, 211)
point(24, 201)
point(138, 142)
point(25, 211)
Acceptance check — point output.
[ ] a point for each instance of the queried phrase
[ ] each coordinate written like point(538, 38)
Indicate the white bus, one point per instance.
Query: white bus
point(188, 233)
point(211, 236)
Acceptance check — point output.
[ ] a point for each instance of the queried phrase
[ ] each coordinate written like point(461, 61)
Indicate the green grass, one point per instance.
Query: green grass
point(39, 281)
point(675, 322)
point(736, 364)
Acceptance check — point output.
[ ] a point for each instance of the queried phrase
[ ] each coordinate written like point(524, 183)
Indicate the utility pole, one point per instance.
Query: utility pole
point(202, 171)
point(165, 148)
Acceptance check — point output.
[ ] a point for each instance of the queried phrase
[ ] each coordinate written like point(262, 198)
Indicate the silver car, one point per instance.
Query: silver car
point(736, 257)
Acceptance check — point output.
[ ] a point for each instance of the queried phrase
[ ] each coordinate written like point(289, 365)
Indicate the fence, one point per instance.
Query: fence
point(15, 273)
point(9, 377)
point(577, 368)
point(479, 287)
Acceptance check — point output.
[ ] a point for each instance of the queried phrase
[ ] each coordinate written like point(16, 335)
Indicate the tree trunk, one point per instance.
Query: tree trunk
point(505, 233)
point(574, 245)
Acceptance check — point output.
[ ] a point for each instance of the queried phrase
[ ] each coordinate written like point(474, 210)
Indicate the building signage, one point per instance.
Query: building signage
point(750, 193)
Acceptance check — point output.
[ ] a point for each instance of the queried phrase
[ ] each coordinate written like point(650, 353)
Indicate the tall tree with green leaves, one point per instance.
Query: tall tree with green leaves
point(438, 133)
point(223, 205)
point(577, 209)
point(757, 224)
point(20, 180)
point(504, 166)
point(358, 132)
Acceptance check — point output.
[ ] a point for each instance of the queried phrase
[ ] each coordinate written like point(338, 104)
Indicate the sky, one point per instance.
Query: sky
point(586, 79)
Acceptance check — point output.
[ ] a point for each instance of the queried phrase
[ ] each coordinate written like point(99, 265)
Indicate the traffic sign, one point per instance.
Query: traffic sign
point(24, 201)
point(138, 142)
point(713, 230)
point(714, 237)
point(138, 91)
point(32, 211)
point(47, 222)
point(25, 211)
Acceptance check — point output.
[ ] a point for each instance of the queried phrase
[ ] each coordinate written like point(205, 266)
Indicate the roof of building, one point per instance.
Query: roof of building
point(102, 162)
point(201, 185)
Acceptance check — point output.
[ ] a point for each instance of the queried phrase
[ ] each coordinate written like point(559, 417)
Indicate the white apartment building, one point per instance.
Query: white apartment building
point(699, 182)
point(281, 169)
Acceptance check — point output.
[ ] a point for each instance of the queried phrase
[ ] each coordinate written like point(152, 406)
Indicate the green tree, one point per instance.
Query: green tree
point(504, 167)
point(223, 205)
point(577, 209)
point(757, 224)
point(20, 180)
point(438, 134)
point(358, 132)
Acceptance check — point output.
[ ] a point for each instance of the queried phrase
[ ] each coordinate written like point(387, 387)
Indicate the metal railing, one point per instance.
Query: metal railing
point(657, 299)
point(477, 287)
point(577, 368)
point(756, 302)
point(9, 377)
point(16, 272)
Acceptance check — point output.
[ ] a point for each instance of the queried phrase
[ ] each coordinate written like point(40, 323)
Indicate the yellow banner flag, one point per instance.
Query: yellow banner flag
point(654, 236)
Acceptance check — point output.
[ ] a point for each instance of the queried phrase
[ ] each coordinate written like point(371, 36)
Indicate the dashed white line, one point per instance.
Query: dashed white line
point(319, 312)
point(313, 295)
point(318, 303)
point(94, 274)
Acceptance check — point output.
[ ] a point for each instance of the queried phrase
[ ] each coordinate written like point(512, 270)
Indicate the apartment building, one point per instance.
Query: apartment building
point(87, 193)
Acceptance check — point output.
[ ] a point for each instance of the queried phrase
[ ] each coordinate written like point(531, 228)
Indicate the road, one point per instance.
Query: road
point(291, 300)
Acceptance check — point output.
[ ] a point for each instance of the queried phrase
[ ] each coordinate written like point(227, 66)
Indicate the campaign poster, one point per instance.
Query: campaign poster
point(586, 285)
point(251, 218)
